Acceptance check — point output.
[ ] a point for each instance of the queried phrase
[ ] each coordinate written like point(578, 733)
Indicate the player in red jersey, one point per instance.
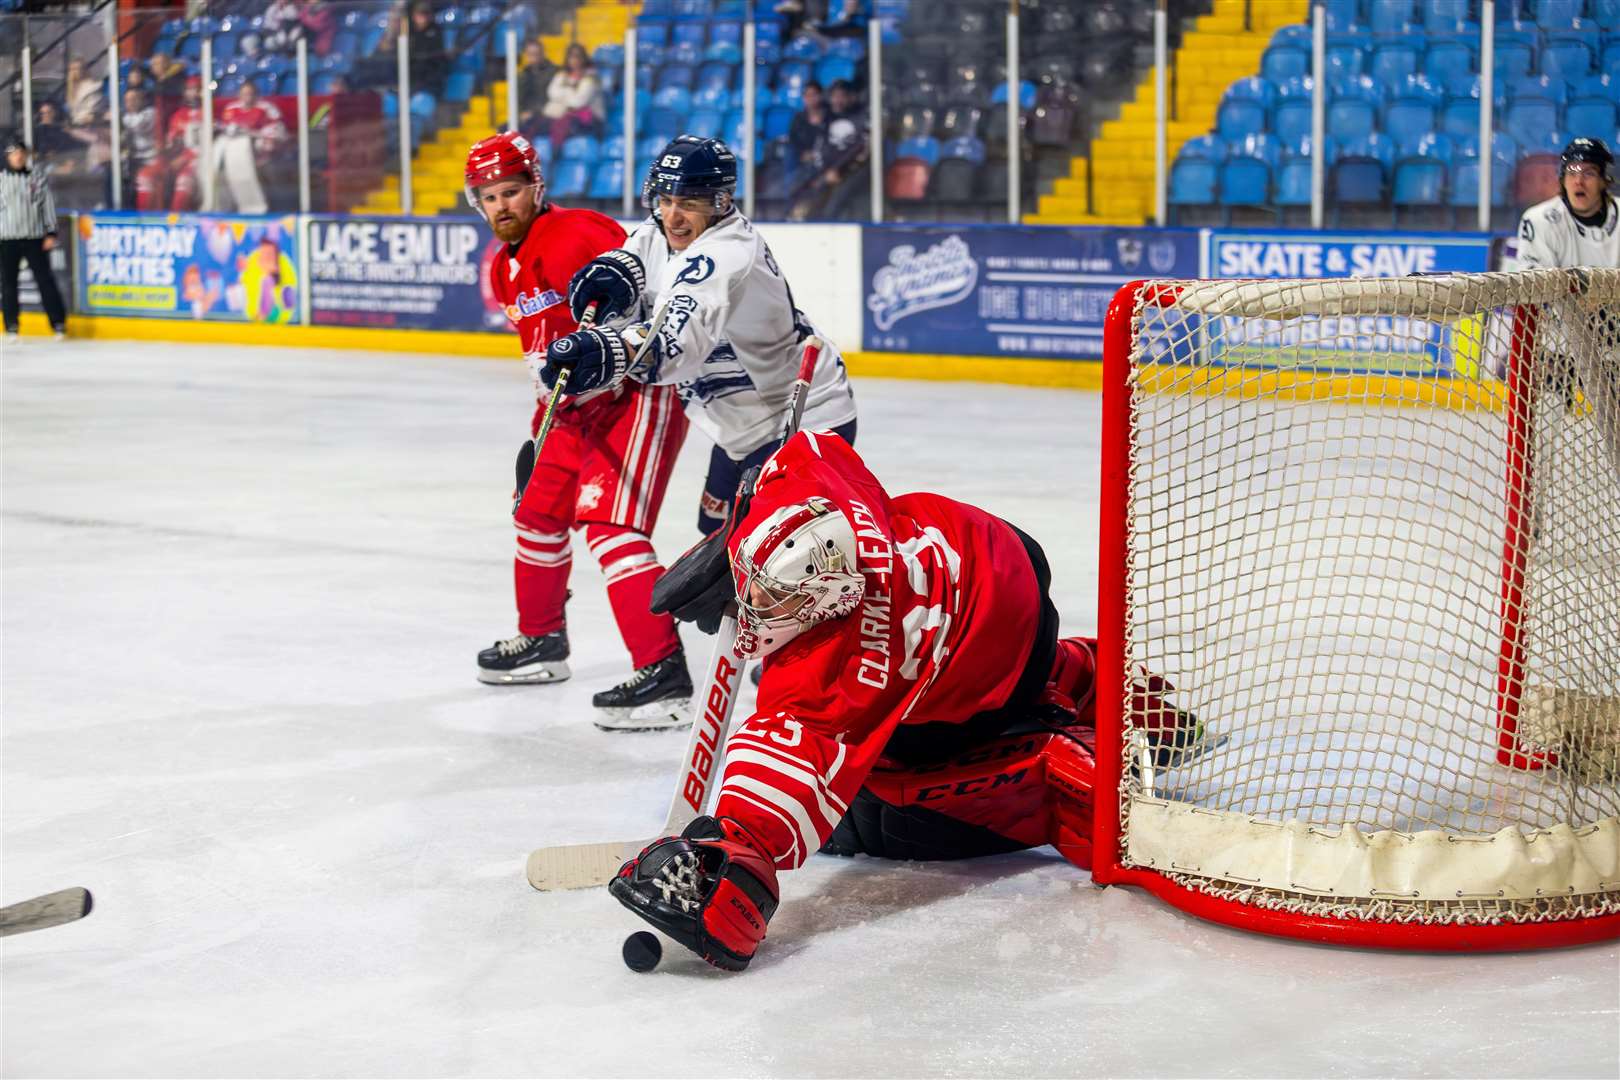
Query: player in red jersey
point(604, 466)
point(176, 163)
point(917, 701)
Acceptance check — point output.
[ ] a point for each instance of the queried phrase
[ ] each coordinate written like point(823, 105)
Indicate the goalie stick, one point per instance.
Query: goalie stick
point(52, 909)
point(578, 866)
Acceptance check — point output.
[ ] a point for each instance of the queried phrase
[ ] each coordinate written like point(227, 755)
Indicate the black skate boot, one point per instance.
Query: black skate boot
point(656, 697)
point(522, 660)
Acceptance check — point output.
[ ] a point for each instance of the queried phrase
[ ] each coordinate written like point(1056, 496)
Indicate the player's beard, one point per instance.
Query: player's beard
point(512, 226)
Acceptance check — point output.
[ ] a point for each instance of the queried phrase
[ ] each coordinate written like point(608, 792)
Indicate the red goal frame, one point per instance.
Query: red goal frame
point(1107, 868)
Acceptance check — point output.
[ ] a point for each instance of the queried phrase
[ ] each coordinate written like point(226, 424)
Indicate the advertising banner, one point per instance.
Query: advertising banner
point(402, 272)
point(1375, 344)
point(189, 266)
point(1007, 290)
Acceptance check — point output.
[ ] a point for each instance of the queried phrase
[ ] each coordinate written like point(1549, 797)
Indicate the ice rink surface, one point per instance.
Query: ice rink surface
point(242, 592)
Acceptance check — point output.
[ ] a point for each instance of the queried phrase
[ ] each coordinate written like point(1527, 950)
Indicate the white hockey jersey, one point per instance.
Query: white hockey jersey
point(731, 340)
point(1549, 236)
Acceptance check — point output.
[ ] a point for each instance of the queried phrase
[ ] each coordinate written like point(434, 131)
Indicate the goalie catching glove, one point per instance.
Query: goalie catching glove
point(710, 888)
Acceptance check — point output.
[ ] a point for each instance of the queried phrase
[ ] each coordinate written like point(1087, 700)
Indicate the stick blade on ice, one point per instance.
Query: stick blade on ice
point(52, 909)
point(579, 866)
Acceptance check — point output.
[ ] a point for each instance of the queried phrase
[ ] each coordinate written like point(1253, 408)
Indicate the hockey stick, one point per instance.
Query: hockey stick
point(578, 866)
point(52, 909)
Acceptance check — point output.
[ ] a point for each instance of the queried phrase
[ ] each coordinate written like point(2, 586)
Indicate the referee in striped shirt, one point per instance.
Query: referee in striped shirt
point(27, 231)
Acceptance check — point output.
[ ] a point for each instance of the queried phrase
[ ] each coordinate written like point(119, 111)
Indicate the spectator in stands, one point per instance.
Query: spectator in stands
point(320, 25)
point(380, 69)
point(137, 78)
point(281, 27)
point(809, 127)
point(168, 75)
point(138, 131)
point(55, 149)
point(574, 98)
point(251, 131)
point(429, 61)
point(841, 180)
point(845, 18)
point(85, 97)
point(798, 13)
point(534, 88)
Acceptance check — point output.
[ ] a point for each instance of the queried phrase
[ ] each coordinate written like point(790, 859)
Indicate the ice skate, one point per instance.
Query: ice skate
point(523, 660)
point(656, 697)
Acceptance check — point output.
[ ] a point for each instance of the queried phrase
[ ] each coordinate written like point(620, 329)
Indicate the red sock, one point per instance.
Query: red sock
point(632, 568)
point(540, 576)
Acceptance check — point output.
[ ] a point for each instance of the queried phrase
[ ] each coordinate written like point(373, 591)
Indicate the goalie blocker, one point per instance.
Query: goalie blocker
point(916, 700)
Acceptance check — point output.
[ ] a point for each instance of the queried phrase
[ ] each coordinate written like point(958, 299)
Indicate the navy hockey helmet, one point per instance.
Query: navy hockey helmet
point(1588, 152)
point(691, 167)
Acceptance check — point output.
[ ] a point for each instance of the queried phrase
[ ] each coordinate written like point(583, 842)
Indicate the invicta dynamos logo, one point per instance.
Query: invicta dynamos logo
point(913, 282)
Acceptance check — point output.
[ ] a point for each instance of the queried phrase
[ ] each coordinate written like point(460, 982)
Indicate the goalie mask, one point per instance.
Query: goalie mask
point(796, 569)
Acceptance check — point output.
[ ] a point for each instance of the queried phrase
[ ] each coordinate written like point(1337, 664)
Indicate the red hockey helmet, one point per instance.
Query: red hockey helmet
point(507, 156)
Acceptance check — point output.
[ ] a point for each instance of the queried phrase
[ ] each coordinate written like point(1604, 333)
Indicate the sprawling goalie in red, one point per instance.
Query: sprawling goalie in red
point(916, 699)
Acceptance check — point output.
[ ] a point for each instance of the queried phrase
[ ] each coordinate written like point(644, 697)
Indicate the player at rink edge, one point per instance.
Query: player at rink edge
point(731, 336)
point(1580, 226)
point(604, 465)
point(917, 701)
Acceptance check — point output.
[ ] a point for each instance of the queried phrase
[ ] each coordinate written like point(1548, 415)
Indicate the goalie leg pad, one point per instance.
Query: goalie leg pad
point(1019, 791)
point(709, 888)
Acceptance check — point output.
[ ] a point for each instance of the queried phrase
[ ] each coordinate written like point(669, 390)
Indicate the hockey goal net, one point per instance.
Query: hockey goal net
point(1369, 531)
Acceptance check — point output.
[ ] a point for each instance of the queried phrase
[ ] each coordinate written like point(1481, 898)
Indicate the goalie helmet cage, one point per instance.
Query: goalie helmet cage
point(1369, 530)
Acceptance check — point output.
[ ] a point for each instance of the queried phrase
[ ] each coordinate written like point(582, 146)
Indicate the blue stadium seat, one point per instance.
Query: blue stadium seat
point(673, 75)
point(666, 123)
point(458, 87)
point(925, 148)
point(726, 52)
point(1464, 187)
point(1419, 182)
point(586, 148)
point(683, 52)
point(1567, 58)
point(612, 147)
point(1592, 114)
point(1026, 95)
point(1192, 182)
point(1444, 15)
point(677, 98)
point(705, 123)
point(803, 47)
point(1252, 88)
point(1245, 181)
point(965, 148)
point(1291, 120)
point(729, 30)
point(1557, 14)
point(711, 97)
point(1389, 16)
point(714, 76)
point(1430, 144)
point(1527, 117)
point(851, 48)
point(1294, 182)
point(1606, 13)
point(1393, 63)
point(792, 72)
point(694, 33)
point(658, 9)
point(1341, 14)
point(1597, 86)
point(1282, 62)
point(1418, 88)
point(607, 180)
point(694, 10)
point(1239, 118)
point(1351, 118)
point(1357, 180)
point(1513, 60)
point(1345, 60)
point(1551, 140)
point(832, 68)
point(1204, 148)
point(608, 55)
point(1407, 119)
point(1263, 146)
point(766, 55)
point(649, 51)
point(649, 146)
point(651, 36)
point(778, 119)
point(1446, 59)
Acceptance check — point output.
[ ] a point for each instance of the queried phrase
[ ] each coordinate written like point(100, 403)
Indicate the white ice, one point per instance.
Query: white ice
point(242, 591)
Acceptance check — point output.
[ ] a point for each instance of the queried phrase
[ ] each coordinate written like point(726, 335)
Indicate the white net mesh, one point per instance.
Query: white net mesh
point(1374, 543)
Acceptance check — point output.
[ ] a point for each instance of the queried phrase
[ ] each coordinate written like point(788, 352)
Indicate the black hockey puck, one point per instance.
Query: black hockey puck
point(642, 951)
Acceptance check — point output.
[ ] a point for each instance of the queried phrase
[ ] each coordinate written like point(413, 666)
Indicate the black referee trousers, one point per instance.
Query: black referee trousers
point(12, 254)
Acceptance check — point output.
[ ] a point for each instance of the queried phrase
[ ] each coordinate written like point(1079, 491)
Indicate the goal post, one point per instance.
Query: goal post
point(1369, 532)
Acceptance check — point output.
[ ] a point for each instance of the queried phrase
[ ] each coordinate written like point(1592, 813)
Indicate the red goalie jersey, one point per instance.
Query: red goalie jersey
point(943, 632)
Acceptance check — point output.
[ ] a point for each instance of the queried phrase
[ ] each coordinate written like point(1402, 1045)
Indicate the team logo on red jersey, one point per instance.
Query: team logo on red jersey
point(532, 303)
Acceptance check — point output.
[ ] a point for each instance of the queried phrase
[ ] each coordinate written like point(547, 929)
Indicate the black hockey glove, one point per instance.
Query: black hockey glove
point(613, 281)
point(587, 360)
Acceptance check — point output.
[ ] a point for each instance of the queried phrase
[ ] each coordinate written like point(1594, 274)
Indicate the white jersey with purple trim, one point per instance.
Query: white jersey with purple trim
point(1549, 236)
point(730, 343)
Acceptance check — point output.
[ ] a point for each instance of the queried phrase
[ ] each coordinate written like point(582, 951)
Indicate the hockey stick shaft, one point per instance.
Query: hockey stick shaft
point(578, 866)
point(52, 909)
point(585, 321)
